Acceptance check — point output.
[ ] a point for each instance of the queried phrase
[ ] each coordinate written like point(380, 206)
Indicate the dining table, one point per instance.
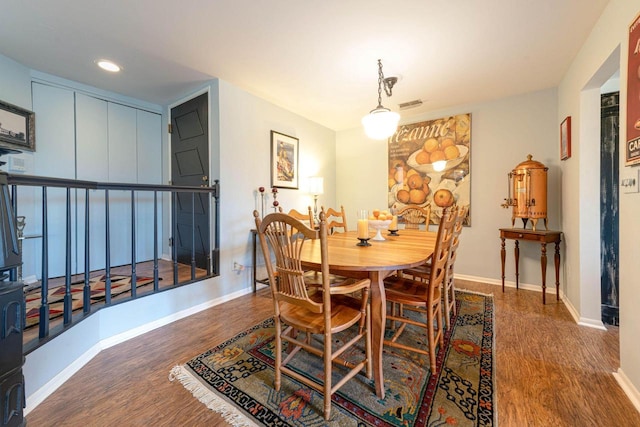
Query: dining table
point(407, 249)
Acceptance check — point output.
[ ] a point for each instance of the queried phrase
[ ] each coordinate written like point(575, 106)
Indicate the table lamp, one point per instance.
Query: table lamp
point(316, 187)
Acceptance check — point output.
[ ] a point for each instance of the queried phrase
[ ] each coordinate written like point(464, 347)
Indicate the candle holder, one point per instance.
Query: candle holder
point(261, 191)
point(393, 227)
point(363, 242)
point(363, 228)
point(274, 192)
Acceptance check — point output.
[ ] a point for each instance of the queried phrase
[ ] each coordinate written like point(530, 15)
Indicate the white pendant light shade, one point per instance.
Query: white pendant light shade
point(380, 123)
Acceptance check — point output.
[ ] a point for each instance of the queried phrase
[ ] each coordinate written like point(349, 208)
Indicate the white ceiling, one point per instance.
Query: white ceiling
point(315, 58)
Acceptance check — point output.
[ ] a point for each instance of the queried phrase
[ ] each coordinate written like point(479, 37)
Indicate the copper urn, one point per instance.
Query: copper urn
point(528, 192)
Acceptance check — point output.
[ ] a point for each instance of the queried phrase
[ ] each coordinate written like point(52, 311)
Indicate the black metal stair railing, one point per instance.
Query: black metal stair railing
point(17, 182)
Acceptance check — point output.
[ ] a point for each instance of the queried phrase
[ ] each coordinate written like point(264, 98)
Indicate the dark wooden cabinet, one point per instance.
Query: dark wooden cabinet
point(12, 391)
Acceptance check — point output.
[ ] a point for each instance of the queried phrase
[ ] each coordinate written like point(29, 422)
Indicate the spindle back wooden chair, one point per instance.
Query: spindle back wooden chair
point(413, 216)
point(306, 218)
point(423, 297)
point(299, 311)
point(335, 219)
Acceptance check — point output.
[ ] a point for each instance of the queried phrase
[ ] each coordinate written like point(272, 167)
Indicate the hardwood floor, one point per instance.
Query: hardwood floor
point(549, 370)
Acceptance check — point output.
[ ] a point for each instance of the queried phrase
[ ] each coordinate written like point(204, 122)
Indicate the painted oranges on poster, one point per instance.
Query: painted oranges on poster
point(416, 150)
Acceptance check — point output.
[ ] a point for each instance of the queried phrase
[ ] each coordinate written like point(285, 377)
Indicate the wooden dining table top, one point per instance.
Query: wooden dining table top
point(409, 248)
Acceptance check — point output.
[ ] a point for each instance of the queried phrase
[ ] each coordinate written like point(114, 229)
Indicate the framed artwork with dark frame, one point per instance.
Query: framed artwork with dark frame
point(284, 161)
point(17, 128)
point(565, 138)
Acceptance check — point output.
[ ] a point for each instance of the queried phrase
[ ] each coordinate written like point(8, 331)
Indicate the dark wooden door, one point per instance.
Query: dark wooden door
point(190, 166)
point(609, 203)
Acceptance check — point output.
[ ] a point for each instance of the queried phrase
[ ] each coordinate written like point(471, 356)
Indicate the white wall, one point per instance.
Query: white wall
point(15, 84)
point(503, 132)
point(604, 52)
point(245, 125)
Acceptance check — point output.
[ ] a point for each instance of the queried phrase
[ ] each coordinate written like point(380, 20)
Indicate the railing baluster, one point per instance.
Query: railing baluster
point(107, 275)
point(216, 237)
point(193, 235)
point(43, 321)
point(13, 273)
point(86, 290)
point(133, 244)
point(67, 277)
point(156, 283)
point(174, 238)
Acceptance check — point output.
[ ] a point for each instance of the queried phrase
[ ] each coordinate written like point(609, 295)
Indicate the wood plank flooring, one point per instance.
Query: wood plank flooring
point(549, 370)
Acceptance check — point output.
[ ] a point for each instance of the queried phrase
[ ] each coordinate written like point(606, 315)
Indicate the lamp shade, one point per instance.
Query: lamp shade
point(316, 185)
point(380, 123)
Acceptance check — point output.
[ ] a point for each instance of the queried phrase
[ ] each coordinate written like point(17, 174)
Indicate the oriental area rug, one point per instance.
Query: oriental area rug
point(55, 297)
point(235, 379)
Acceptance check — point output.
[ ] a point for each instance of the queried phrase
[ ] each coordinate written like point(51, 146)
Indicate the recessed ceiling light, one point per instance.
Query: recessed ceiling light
point(108, 65)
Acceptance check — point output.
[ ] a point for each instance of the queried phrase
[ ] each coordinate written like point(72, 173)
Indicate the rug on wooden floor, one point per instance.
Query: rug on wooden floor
point(235, 379)
point(55, 297)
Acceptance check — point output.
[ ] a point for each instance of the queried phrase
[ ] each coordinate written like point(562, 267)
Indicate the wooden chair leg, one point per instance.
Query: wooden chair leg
point(368, 344)
point(447, 314)
point(278, 361)
point(327, 379)
point(431, 340)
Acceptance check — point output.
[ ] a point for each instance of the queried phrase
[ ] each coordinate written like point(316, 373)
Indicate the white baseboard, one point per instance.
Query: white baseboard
point(507, 284)
point(45, 391)
point(632, 393)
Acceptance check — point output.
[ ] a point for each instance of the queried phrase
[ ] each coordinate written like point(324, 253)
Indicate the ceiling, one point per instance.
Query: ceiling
point(315, 58)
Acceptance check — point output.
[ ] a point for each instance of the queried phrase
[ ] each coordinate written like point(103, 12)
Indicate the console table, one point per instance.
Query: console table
point(254, 280)
point(541, 236)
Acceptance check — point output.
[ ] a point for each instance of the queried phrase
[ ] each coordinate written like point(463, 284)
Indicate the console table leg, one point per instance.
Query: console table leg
point(253, 263)
point(557, 263)
point(503, 256)
point(516, 252)
point(543, 265)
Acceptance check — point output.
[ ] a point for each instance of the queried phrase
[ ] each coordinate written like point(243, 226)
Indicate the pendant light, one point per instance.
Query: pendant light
point(381, 122)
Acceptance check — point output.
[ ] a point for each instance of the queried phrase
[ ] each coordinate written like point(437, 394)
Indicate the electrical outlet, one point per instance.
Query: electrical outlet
point(629, 181)
point(237, 266)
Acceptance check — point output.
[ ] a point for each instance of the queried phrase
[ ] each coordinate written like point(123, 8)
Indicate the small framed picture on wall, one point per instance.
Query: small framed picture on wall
point(565, 139)
point(284, 161)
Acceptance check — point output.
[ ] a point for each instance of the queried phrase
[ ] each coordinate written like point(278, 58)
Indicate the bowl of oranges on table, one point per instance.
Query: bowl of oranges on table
point(380, 220)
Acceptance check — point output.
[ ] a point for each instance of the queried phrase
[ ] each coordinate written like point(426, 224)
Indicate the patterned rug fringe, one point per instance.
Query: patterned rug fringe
point(210, 399)
point(467, 291)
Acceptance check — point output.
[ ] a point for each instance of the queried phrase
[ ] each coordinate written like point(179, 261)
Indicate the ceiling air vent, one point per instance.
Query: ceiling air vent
point(410, 104)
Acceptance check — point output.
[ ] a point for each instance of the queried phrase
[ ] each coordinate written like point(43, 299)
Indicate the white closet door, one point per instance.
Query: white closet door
point(54, 157)
point(149, 145)
point(92, 149)
point(123, 169)
point(92, 154)
point(55, 134)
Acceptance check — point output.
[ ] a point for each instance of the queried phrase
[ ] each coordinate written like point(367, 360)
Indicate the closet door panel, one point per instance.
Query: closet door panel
point(149, 146)
point(122, 168)
point(91, 139)
point(54, 157)
point(92, 152)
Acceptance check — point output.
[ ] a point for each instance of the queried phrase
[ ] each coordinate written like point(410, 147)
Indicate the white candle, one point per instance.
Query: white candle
point(363, 229)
